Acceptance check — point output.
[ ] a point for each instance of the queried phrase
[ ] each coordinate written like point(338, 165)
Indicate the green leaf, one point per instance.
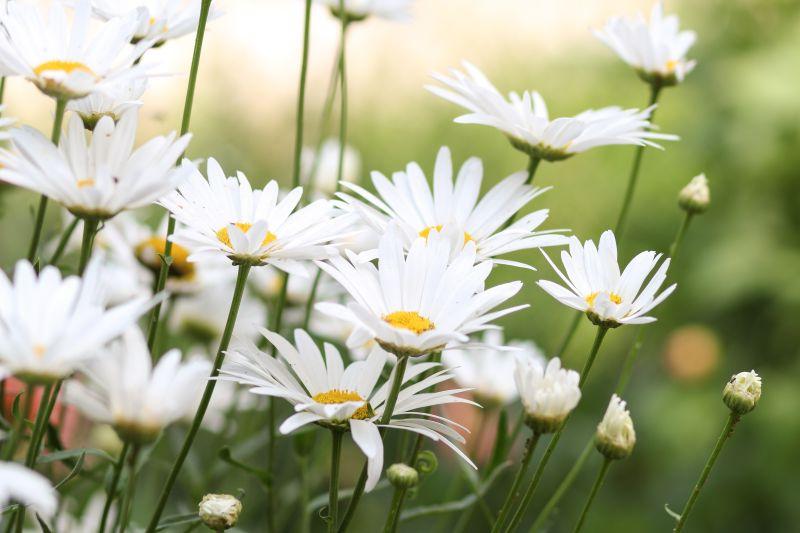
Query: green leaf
point(74, 472)
point(73, 454)
point(177, 520)
point(43, 524)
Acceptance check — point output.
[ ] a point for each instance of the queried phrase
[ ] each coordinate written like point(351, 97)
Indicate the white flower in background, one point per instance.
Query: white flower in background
point(656, 49)
point(526, 121)
point(49, 325)
point(157, 20)
point(615, 435)
point(224, 414)
point(489, 369)
point(123, 389)
point(323, 391)
point(695, 197)
point(115, 102)
point(89, 518)
point(226, 217)
point(594, 283)
point(742, 392)
point(19, 484)
point(408, 200)
point(416, 305)
point(5, 122)
point(548, 392)
point(356, 10)
point(267, 283)
point(60, 57)
point(325, 166)
point(99, 179)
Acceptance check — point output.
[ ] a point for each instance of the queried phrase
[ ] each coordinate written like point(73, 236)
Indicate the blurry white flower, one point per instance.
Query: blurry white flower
point(695, 197)
point(123, 389)
point(267, 283)
point(526, 122)
point(59, 57)
point(219, 511)
point(19, 484)
point(615, 436)
point(49, 325)
point(226, 217)
point(102, 178)
point(417, 304)
point(594, 283)
point(325, 166)
point(5, 122)
point(114, 102)
point(548, 392)
point(742, 392)
point(89, 518)
point(489, 369)
point(408, 200)
point(361, 9)
point(656, 49)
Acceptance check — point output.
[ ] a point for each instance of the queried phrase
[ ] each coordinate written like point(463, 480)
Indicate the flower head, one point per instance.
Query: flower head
point(527, 124)
point(356, 10)
point(655, 48)
point(118, 99)
point(548, 392)
point(695, 197)
point(594, 283)
point(19, 484)
point(615, 436)
point(219, 511)
point(742, 392)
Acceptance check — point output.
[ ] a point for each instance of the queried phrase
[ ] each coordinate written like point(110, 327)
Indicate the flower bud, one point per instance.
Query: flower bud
point(402, 476)
point(742, 392)
point(615, 435)
point(695, 197)
point(219, 511)
point(548, 393)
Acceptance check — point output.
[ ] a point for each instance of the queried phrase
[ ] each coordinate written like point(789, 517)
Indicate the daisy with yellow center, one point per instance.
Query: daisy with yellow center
point(149, 253)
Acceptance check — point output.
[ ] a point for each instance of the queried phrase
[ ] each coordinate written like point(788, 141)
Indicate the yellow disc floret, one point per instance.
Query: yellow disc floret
point(148, 251)
point(334, 396)
point(427, 231)
point(87, 182)
point(67, 67)
point(616, 298)
point(225, 239)
point(410, 320)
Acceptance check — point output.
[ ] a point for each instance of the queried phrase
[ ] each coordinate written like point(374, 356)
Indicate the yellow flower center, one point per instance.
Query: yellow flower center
point(225, 239)
point(616, 298)
point(334, 396)
point(67, 67)
point(427, 231)
point(87, 182)
point(671, 65)
point(147, 252)
point(410, 320)
point(39, 350)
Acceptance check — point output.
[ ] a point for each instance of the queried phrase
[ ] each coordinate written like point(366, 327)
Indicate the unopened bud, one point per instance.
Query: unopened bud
point(742, 392)
point(402, 476)
point(615, 437)
point(220, 511)
point(695, 197)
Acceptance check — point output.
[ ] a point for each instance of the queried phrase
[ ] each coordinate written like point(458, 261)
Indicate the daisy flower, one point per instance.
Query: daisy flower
point(322, 168)
point(408, 201)
point(615, 435)
point(594, 283)
point(418, 304)
point(19, 484)
point(60, 58)
point(548, 392)
point(123, 389)
point(656, 48)
point(116, 101)
point(357, 10)
point(99, 179)
point(224, 216)
point(50, 324)
point(324, 392)
point(527, 124)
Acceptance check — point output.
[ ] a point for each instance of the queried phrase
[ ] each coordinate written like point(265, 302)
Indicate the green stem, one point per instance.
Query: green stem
point(733, 419)
point(394, 510)
point(533, 164)
point(595, 488)
point(343, 95)
point(238, 293)
point(673, 250)
point(311, 298)
point(61, 107)
point(327, 112)
point(516, 490)
point(301, 97)
point(127, 501)
point(634, 175)
point(305, 488)
point(573, 327)
point(49, 393)
point(112, 488)
point(587, 367)
point(333, 487)
point(19, 423)
point(565, 484)
point(62, 243)
point(89, 231)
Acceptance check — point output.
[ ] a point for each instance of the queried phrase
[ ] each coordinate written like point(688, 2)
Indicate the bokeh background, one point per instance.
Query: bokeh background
point(738, 301)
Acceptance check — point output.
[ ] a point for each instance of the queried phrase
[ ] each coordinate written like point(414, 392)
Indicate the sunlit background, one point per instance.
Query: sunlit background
point(738, 301)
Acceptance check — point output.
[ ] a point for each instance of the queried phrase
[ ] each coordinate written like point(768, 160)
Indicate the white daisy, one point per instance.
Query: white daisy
point(324, 392)
point(656, 49)
point(116, 101)
point(60, 57)
point(548, 392)
point(408, 201)
point(49, 325)
point(526, 122)
point(417, 304)
point(615, 435)
point(595, 285)
point(360, 9)
point(99, 179)
point(489, 370)
point(323, 167)
point(21, 485)
point(226, 217)
point(123, 389)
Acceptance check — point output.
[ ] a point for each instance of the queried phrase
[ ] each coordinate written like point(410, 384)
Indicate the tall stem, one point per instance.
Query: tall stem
point(127, 501)
point(327, 111)
point(238, 293)
point(333, 487)
point(89, 231)
point(63, 241)
point(112, 487)
point(573, 327)
point(595, 488)
point(673, 250)
point(733, 419)
point(565, 484)
point(533, 164)
point(55, 136)
point(516, 490)
point(343, 94)
point(301, 97)
point(394, 510)
point(42, 416)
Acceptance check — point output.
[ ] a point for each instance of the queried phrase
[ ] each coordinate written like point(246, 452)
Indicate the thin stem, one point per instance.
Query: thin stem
point(55, 137)
point(19, 423)
point(634, 175)
point(333, 488)
point(89, 231)
point(394, 510)
point(301, 97)
point(62, 243)
point(112, 487)
point(595, 488)
point(516, 490)
point(733, 419)
point(343, 95)
point(42, 416)
point(304, 487)
point(533, 164)
point(673, 250)
point(327, 112)
point(311, 297)
point(127, 501)
point(573, 327)
point(238, 293)
point(587, 367)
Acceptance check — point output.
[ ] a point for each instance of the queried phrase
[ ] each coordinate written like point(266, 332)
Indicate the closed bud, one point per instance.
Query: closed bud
point(742, 392)
point(402, 476)
point(695, 197)
point(220, 511)
point(615, 437)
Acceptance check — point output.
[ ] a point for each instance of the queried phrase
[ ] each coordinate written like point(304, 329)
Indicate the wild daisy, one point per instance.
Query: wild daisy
point(548, 392)
point(225, 217)
point(21, 485)
point(49, 324)
point(418, 304)
point(116, 101)
point(527, 124)
point(409, 201)
point(357, 10)
point(324, 392)
point(99, 179)
point(123, 389)
point(656, 48)
point(595, 286)
point(60, 57)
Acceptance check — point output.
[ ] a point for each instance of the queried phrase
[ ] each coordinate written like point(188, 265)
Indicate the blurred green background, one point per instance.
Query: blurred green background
point(736, 307)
